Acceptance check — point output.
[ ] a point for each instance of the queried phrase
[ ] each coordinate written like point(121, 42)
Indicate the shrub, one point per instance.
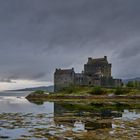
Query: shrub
point(97, 91)
point(133, 84)
point(120, 91)
point(130, 84)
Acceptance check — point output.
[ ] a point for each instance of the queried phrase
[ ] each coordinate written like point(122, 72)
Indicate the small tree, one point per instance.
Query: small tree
point(133, 84)
point(130, 84)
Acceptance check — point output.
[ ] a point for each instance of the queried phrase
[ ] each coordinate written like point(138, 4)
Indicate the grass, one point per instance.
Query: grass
point(39, 92)
point(85, 91)
point(74, 90)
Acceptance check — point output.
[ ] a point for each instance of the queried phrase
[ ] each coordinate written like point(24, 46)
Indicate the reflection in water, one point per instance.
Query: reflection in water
point(130, 115)
point(78, 126)
point(93, 125)
point(15, 93)
point(20, 104)
point(19, 117)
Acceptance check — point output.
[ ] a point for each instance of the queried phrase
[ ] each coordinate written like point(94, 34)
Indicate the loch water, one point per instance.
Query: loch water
point(71, 120)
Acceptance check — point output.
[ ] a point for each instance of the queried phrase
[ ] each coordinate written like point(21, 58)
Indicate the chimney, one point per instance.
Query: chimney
point(105, 57)
point(89, 59)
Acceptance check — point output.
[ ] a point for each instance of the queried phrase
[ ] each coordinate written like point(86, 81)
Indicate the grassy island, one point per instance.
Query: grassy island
point(78, 92)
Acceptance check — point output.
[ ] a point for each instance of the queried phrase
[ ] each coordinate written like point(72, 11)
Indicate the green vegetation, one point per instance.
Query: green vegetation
point(70, 89)
point(133, 84)
point(85, 92)
point(39, 92)
point(74, 90)
point(97, 91)
point(121, 91)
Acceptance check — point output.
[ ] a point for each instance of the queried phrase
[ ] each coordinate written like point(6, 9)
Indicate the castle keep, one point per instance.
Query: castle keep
point(97, 72)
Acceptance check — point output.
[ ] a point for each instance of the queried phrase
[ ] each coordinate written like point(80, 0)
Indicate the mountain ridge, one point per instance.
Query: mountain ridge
point(131, 79)
point(45, 88)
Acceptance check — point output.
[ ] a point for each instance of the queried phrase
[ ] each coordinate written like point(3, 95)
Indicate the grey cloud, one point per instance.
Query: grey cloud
point(39, 35)
point(130, 52)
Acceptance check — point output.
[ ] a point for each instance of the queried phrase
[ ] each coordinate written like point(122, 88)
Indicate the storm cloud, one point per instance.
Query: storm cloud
point(37, 36)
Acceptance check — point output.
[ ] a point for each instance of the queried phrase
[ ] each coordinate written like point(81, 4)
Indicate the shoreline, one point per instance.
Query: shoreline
point(80, 97)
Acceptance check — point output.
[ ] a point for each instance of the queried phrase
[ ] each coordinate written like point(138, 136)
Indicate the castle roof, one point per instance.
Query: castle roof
point(64, 71)
point(97, 61)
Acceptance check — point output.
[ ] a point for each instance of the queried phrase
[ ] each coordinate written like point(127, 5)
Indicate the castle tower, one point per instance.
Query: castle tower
point(95, 66)
point(63, 78)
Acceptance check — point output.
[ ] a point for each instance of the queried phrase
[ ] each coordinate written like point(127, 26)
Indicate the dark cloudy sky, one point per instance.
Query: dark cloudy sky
point(36, 36)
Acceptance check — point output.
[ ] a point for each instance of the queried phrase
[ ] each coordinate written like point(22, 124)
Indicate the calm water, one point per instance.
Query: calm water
point(22, 119)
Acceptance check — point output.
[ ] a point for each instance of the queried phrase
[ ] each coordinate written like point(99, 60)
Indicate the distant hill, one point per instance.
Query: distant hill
point(45, 88)
point(133, 79)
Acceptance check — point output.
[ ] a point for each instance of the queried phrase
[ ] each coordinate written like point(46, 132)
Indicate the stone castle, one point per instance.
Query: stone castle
point(97, 72)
